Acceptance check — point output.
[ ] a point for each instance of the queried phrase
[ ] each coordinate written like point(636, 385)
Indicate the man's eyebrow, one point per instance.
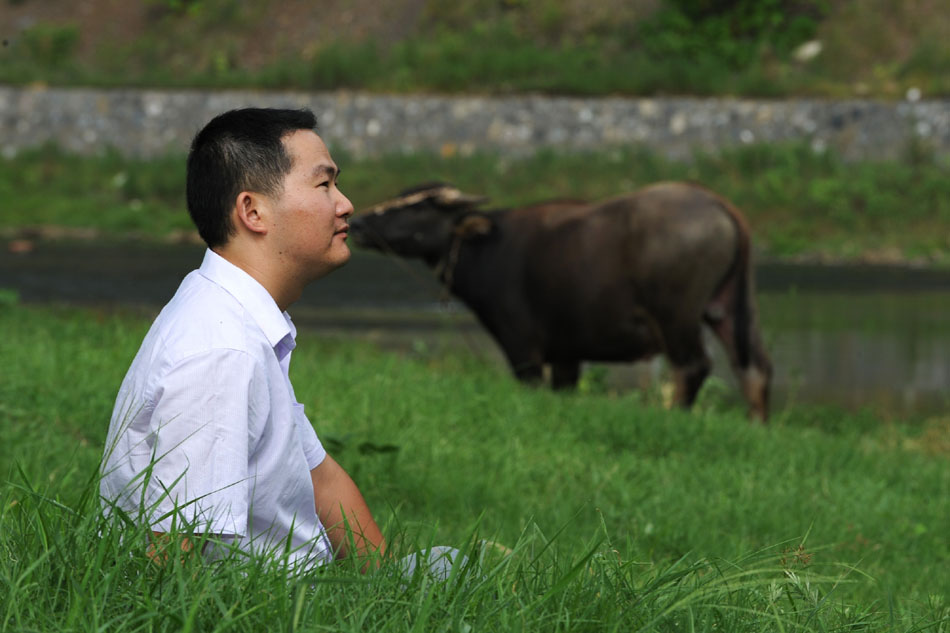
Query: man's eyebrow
point(329, 171)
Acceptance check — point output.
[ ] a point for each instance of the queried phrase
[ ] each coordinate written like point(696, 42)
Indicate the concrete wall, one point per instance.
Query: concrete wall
point(149, 122)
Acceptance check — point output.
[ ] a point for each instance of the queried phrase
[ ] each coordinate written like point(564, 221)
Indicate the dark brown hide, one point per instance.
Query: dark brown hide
point(563, 282)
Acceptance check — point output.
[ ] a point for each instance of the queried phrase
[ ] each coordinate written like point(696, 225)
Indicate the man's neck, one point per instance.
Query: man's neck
point(280, 287)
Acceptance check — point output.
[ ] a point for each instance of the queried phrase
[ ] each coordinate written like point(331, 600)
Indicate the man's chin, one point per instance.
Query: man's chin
point(345, 255)
point(329, 264)
point(339, 259)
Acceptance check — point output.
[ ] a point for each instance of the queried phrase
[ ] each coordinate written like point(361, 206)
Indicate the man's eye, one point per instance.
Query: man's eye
point(326, 183)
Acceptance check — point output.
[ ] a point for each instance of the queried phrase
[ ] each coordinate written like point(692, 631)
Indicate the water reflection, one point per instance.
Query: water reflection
point(850, 336)
point(894, 372)
point(886, 349)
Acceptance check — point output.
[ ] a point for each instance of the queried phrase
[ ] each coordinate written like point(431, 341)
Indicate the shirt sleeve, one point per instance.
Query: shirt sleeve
point(312, 447)
point(199, 438)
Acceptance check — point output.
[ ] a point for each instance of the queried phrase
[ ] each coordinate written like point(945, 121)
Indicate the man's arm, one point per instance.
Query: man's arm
point(340, 507)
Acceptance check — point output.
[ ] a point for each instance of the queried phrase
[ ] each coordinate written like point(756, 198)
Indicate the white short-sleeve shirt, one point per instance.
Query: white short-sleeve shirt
point(206, 429)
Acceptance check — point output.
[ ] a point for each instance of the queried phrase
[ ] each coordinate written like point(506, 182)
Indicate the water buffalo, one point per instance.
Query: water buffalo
point(566, 281)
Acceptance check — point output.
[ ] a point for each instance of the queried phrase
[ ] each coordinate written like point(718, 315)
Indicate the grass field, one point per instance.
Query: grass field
point(621, 515)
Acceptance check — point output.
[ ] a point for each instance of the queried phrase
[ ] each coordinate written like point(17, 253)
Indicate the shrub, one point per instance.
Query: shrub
point(50, 45)
point(735, 32)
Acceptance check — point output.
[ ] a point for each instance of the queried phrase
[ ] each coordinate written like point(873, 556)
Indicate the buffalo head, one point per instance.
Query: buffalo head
point(420, 222)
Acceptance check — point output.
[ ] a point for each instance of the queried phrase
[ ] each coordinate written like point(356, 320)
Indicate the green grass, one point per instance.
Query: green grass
point(622, 516)
point(876, 48)
point(799, 203)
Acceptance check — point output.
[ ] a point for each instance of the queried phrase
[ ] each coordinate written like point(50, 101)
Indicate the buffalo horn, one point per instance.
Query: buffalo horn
point(450, 196)
point(444, 195)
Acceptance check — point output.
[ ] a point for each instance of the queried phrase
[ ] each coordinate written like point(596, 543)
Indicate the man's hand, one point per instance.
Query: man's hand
point(344, 512)
point(161, 542)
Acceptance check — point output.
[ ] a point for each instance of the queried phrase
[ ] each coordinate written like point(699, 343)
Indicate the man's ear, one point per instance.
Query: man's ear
point(250, 211)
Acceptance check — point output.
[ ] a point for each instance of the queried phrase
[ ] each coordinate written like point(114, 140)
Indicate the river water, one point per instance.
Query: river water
point(850, 336)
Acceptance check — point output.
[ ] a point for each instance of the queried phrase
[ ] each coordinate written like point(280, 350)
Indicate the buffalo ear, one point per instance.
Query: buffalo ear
point(474, 225)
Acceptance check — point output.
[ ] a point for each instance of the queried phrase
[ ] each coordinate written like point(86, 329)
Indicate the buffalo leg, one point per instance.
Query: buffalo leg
point(752, 367)
point(755, 386)
point(690, 365)
point(524, 358)
point(527, 370)
point(754, 374)
point(564, 375)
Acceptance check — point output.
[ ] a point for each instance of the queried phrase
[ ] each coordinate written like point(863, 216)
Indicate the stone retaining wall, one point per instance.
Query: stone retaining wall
point(150, 122)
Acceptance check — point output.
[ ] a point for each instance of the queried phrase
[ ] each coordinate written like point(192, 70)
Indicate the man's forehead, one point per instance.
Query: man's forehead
point(309, 152)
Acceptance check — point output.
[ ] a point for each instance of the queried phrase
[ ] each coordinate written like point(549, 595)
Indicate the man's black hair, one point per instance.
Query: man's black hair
point(239, 150)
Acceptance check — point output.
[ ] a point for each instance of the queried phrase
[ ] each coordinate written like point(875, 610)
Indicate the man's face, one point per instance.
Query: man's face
point(310, 223)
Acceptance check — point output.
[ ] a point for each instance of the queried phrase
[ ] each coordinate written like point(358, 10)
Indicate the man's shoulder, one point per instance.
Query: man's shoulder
point(203, 317)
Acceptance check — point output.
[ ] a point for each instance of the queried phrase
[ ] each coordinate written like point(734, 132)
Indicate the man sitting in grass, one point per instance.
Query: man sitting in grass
point(207, 437)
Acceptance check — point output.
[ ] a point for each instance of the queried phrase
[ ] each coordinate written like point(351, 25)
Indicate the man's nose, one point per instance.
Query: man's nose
point(344, 207)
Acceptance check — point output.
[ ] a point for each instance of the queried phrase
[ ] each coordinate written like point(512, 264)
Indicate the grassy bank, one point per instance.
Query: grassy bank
point(879, 48)
point(622, 516)
point(799, 203)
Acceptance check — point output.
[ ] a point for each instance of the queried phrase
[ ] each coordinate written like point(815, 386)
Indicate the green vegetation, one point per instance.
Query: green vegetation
point(111, 193)
point(621, 515)
point(799, 203)
point(641, 47)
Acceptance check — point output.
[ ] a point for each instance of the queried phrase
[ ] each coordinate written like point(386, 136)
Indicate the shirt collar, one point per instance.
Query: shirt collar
point(276, 325)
